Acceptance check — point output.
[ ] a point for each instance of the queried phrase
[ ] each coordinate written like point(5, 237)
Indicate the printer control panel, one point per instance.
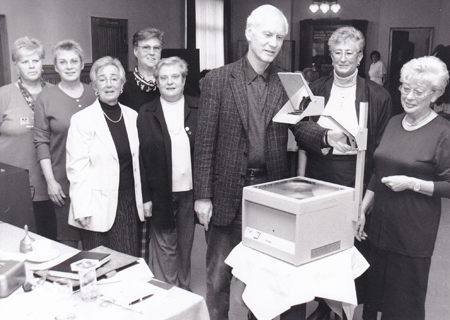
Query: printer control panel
point(269, 240)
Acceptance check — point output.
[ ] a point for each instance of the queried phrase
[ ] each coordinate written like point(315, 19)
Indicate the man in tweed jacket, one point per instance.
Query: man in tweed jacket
point(238, 144)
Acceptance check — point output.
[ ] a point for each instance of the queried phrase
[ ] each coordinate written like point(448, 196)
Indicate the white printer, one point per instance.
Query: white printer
point(298, 220)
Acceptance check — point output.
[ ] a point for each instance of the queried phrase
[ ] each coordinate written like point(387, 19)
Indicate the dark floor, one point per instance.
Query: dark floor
point(438, 297)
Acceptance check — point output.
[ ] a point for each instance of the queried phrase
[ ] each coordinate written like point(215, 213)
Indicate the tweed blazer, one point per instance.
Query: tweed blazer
point(379, 112)
point(156, 157)
point(222, 144)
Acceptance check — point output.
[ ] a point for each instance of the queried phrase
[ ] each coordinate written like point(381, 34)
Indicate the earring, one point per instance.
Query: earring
point(96, 93)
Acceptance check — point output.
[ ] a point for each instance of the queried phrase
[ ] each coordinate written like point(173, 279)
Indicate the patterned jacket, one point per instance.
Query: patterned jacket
point(222, 144)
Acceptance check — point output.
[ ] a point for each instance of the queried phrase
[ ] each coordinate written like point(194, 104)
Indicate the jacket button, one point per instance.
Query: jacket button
point(245, 154)
point(242, 176)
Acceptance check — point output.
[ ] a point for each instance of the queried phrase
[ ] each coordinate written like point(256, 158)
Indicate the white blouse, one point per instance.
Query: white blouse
point(181, 150)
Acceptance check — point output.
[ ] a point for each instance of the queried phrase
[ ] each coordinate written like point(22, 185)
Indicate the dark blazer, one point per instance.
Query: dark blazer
point(222, 144)
point(156, 157)
point(379, 112)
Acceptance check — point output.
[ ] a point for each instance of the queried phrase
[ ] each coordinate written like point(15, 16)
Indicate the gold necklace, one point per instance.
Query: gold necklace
point(114, 121)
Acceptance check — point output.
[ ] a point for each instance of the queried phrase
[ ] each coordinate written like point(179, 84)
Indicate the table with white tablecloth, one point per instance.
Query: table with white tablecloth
point(42, 304)
point(273, 286)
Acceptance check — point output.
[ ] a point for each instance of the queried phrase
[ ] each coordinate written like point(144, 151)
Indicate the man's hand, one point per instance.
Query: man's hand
point(148, 206)
point(338, 140)
point(203, 208)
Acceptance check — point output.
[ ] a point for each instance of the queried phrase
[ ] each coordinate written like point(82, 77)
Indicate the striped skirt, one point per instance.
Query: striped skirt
point(124, 234)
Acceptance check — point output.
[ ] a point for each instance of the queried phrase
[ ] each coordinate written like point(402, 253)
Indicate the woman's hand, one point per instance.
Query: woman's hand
point(148, 206)
point(366, 208)
point(359, 228)
point(399, 183)
point(84, 221)
point(56, 193)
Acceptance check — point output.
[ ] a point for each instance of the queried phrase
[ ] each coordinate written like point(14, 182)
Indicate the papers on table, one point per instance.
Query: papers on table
point(134, 295)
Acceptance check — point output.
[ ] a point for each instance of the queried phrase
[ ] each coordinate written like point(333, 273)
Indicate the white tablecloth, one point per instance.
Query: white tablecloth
point(273, 286)
point(43, 304)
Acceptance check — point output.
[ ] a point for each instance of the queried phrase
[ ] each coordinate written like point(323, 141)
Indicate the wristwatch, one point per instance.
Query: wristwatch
point(417, 187)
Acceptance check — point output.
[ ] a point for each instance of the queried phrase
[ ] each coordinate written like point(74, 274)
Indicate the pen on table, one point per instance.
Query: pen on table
point(140, 299)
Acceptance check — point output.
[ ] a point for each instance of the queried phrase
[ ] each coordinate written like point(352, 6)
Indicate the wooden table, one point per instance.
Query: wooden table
point(43, 304)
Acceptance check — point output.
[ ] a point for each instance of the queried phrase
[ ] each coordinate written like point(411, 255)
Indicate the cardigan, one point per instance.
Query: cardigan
point(379, 112)
point(156, 157)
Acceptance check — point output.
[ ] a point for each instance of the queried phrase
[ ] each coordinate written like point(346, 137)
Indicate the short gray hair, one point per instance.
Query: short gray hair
point(67, 45)
point(172, 61)
point(428, 70)
point(147, 34)
point(103, 62)
point(32, 45)
point(343, 34)
point(255, 16)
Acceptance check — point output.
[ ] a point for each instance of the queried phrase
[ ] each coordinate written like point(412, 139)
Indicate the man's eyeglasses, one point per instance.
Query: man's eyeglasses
point(347, 54)
point(149, 48)
point(418, 94)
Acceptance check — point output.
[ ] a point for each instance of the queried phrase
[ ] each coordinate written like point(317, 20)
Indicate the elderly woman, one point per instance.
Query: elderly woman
point(377, 70)
point(412, 173)
point(103, 165)
point(140, 86)
point(343, 92)
point(54, 108)
point(167, 128)
point(17, 102)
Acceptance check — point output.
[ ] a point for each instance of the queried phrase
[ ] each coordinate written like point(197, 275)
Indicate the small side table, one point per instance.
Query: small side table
point(273, 286)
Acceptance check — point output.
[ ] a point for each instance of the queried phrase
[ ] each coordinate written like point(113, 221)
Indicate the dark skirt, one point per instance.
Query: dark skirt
point(397, 286)
point(45, 217)
point(123, 235)
point(334, 169)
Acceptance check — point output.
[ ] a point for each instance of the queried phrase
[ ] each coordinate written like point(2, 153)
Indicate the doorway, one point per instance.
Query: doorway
point(405, 44)
point(110, 38)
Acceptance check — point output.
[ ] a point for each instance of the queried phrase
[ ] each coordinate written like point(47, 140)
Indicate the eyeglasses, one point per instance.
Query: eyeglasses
point(347, 54)
point(149, 48)
point(103, 81)
point(418, 94)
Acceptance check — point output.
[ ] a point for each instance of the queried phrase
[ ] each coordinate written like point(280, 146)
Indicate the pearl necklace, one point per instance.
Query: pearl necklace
point(114, 121)
point(418, 124)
